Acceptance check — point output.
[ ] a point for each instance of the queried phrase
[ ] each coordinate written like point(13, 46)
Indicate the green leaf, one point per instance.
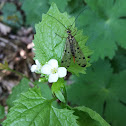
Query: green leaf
point(89, 117)
point(45, 90)
point(62, 6)
point(23, 86)
point(105, 25)
point(74, 6)
point(33, 109)
point(116, 102)
point(57, 88)
point(2, 112)
point(119, 60)
point(102, 91)
point(49, 45)
point(34, 10)
point(11, 16)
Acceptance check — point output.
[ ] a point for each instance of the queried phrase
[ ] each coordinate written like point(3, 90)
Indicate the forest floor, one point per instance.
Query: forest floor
point(16, 47)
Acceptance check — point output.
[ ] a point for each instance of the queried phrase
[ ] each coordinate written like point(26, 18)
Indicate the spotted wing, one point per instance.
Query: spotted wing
point(67, 55)
point(79, 56)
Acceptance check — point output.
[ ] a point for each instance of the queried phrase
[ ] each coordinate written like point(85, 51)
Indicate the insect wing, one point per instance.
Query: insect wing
point(67, 55)
point(79, 56)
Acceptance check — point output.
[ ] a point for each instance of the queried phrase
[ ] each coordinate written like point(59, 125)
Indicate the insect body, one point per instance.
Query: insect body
point(72, 49)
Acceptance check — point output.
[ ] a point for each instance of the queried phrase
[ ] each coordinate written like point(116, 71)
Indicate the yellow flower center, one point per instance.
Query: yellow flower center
point(54, 70)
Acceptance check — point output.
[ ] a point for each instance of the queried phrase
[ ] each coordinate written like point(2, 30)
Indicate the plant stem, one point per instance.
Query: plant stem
point(18, 73)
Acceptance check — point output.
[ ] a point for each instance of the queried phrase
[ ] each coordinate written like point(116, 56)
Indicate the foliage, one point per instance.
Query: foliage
point(34, 13)
point(49, 45)
point(87, 117)
point(37, 110)
point(104, 93)
point(33, 109)
point(2, 112)
point(23, 86)
point(56, 89)
point(119, 60)
point(104, 24)
point(45, 90)
point(59, 5)
point(74, 6)
point(103, 87)
point(11, 15)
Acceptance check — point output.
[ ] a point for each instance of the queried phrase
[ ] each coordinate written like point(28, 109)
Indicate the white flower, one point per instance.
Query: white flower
point(51, 69)
point(36, 68)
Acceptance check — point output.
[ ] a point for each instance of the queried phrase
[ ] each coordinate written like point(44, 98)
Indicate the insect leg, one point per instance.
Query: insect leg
point(60, 36)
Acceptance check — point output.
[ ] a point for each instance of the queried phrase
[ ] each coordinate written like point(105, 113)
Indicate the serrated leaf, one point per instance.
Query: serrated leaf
point(11, 16)
point(89, 117)
point(57, 88)
point(45, 90)
point(59, 5)
point(2, 112)
point(105, 25)
point(102, 91)
point(34, 10)
point(48, 45)
point(23, 86)
point(33, 109)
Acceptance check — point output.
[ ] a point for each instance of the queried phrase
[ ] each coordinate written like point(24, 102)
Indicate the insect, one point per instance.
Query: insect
point(72, 49)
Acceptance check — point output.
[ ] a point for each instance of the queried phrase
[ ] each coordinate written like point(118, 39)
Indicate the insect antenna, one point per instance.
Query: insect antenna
point(57, 20)
point(78, 16)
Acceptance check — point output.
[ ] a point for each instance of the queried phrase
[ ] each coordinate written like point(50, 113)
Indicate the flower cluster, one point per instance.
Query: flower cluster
point(51, 69)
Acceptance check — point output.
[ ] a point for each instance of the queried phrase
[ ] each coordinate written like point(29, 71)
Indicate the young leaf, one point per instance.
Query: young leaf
point(23, 86)
point(51, 35)
point(62, 6)
point(102, 91)
point(57, 88)
point(104, 22)
point(33, 109)
point(89, 117)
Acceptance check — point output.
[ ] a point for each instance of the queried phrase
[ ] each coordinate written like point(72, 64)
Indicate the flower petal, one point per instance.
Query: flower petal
point(38, 64)
point(62, 72)
point(33, 68)
point(53, 63)
point(53, 78)
point(46, 69)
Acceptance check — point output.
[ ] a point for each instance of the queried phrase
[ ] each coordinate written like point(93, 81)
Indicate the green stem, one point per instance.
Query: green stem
point(18, 73)
point(69, 107)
